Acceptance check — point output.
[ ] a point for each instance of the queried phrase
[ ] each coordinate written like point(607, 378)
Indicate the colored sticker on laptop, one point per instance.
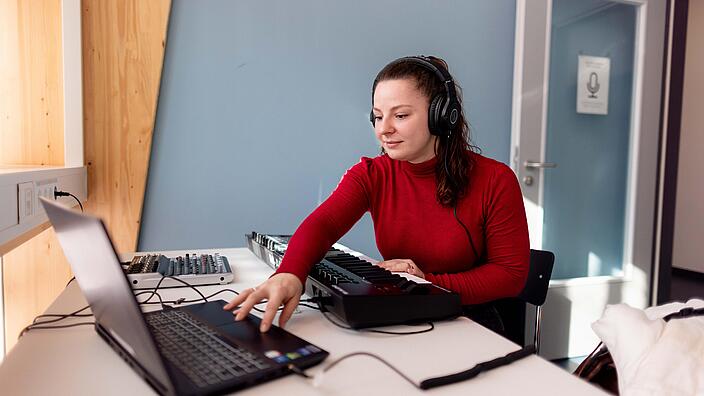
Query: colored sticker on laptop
point(272, 354)
point(293, 355)
point(303, 351)
point(313, 348)
point(281, 359)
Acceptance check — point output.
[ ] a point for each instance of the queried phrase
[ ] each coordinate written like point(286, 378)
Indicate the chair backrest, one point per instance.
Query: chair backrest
point(536, 287)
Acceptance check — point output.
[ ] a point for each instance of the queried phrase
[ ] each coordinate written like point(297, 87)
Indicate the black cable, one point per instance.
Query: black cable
point(218, 292)
point(478, 368)
point(323, 311)
point(454, 207)
point(154, 292)
point(309, 306)
point(58, 317)
point(180, 300)
point(187, 284)
point(56, 327)
point(161, 301)
point(62, 316)
point(389, 365)
point(58, 193)
point(73, 278)
point(437, 381)
point(309, 300)
point(204, 298)
point(469, 236)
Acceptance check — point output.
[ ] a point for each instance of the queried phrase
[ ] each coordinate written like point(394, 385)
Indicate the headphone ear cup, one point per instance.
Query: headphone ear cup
point(435, 123)
point(452, 114)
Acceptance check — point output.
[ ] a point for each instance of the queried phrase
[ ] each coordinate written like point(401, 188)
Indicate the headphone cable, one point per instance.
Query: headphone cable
point(446, 154)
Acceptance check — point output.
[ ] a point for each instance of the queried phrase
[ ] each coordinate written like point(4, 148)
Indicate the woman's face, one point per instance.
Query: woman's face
point(401, 121)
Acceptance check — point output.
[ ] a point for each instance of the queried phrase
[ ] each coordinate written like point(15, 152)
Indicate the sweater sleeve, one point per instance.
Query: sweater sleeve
point(507, 247)
point(329, 222)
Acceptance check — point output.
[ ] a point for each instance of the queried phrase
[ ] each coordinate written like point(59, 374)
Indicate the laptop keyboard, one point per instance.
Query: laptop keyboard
point(197, 350)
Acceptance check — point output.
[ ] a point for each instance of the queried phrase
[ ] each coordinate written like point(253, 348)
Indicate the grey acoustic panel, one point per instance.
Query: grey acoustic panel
point(264, 104)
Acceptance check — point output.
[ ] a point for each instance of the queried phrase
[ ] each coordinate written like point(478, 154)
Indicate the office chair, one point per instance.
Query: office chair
point(536, 287)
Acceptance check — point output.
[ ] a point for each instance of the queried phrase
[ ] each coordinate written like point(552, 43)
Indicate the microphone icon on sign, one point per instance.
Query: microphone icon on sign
point(593, 85)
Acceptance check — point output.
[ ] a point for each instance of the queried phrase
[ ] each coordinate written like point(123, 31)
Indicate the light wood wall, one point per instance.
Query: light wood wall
point(31, 133)
point(123, 50)
point(33, 276)
point(31, 83)
point(123, 47)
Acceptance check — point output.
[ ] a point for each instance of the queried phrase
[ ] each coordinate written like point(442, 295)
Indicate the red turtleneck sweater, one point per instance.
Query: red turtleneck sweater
point(409, 223)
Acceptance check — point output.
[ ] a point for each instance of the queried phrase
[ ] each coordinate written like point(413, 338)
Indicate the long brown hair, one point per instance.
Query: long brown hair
point(453, 166)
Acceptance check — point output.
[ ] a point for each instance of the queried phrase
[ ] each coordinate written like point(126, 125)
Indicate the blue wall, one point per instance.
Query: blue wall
point(264, 104)
point(585, 196)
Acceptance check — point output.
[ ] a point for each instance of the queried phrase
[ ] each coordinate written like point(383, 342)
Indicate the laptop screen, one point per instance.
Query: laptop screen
point(96, 267)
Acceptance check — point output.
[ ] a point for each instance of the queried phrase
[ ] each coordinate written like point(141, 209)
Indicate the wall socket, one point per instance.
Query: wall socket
point(44, 188)
point(28, 197)
point(26, 200)
point(20, 191)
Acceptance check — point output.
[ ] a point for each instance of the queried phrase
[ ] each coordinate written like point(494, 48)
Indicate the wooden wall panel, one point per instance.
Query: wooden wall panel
point(123, 49)
point(31, 133)
point(31, 83)
point(33, 276)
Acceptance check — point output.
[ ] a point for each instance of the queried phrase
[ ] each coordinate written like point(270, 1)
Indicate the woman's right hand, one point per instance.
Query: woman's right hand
point(280, 289)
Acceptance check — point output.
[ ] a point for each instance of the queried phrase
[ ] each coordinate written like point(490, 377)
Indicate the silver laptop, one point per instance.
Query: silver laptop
point(191, 350)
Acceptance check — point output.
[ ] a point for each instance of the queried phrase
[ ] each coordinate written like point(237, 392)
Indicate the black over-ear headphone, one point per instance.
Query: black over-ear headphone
point(444, 110)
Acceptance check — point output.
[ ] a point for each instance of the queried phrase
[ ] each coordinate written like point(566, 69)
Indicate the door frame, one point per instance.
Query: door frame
point(673, 87)
point(529, 113)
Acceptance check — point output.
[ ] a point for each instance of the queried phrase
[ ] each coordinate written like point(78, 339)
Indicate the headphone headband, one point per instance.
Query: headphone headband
point(444, 112)
point(424, 61)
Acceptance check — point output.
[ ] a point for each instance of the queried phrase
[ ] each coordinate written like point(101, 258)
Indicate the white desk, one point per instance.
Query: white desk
point(77, 361)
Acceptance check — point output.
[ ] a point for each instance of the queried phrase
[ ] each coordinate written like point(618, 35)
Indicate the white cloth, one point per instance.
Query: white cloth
point(654, 357)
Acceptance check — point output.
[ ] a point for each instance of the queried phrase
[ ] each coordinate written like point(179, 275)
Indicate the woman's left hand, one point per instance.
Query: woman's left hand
point(402, 265)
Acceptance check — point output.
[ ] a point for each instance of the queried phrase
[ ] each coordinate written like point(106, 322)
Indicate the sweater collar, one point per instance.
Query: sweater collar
point(426, 168)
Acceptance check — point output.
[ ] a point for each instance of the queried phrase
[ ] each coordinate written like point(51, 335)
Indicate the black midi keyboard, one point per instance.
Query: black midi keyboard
point(360, 293)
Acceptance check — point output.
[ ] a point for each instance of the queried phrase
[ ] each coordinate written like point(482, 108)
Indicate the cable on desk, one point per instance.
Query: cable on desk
point(156, 288)
point(185, 283)
point(204, 298)
point(309, 306)
point(179, 301)
point(58, 317)
point(478, 368)
point(431, 382)
point(55, 327)
point(61, 316)
point(153, 293)
point(73, 278)
point(323, 311)
point(318, 379)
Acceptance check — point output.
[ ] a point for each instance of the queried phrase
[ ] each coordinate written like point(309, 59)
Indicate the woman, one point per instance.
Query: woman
point(441, 211)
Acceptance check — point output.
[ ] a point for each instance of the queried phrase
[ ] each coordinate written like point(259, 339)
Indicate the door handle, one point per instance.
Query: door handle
point(539, 165)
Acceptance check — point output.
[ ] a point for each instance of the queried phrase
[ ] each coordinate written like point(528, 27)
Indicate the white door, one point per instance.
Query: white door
point(586, 120)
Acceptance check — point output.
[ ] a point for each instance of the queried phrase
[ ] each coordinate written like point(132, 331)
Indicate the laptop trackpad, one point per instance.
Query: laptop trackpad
point(284, 346)
point(211, 313)
point(246, 330)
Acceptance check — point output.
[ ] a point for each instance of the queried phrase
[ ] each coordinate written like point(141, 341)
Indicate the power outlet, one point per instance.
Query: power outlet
point(44, 188)
point(26, 200)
